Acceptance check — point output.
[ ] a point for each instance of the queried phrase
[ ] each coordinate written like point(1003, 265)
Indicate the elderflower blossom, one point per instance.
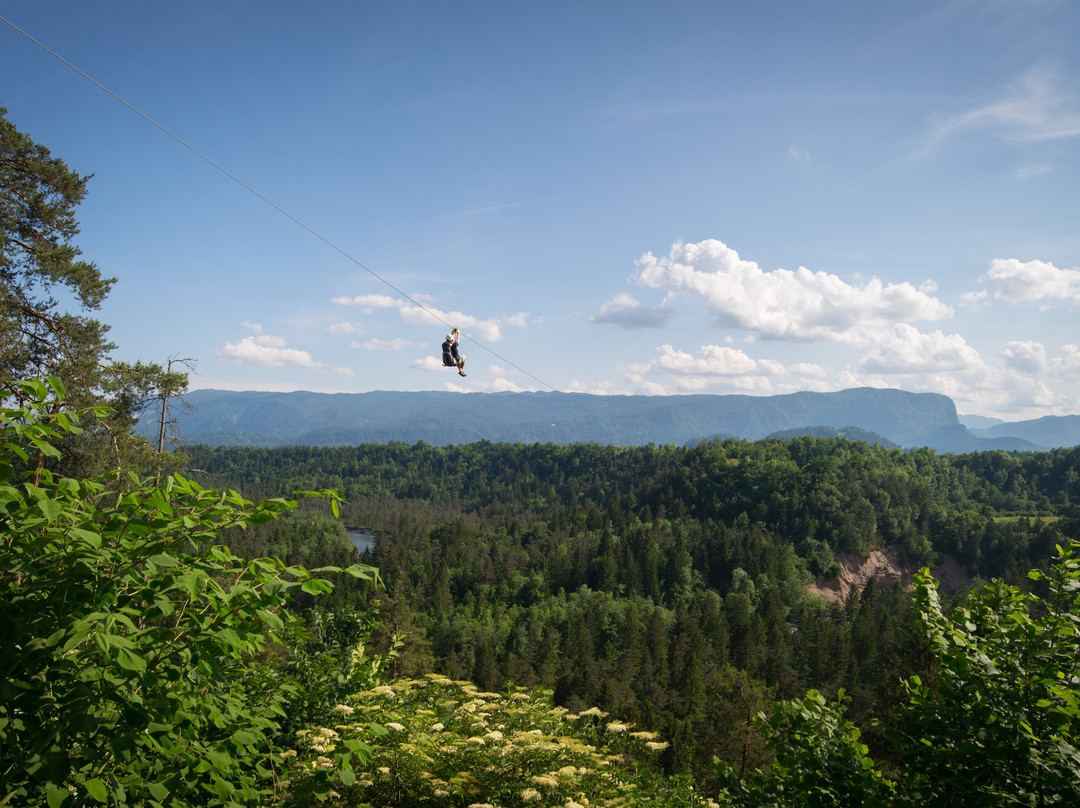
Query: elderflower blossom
point(656, 746)
point(530, 795)
point(344, 709)
point(545, 780)
point(616, 726)
point(439, 727)
point(394, 725)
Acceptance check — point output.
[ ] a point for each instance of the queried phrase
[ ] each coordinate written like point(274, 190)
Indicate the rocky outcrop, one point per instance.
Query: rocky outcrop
point(887, 567)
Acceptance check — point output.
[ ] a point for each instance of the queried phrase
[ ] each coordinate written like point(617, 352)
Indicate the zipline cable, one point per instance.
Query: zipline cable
point(273, 204)
point(331, 244)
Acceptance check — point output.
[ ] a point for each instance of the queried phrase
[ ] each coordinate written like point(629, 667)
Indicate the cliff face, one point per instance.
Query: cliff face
point(887, 567)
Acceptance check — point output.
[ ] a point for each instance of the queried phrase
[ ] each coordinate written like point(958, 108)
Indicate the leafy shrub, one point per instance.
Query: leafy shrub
point(130, 643)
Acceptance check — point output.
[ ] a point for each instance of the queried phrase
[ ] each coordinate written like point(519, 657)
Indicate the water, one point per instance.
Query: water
point(363, 539)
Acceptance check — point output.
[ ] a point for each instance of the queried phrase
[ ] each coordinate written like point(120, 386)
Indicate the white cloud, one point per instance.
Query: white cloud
point(376, 344)
point(904, 349)
point(1018, 281)
point(1032, 170)
point(625, 311)
point(1030, 109)
point(344, 327)
point(503, 385)
point(427, 363)
point(370, 302)
point(800, 305)
point(265, 350)
point(975, 301)
point(798, 153)
point(715, 360)
point(487, 330)
point(1025, 356)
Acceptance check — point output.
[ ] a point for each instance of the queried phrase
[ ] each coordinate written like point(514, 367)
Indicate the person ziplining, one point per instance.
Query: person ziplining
point(450, 356)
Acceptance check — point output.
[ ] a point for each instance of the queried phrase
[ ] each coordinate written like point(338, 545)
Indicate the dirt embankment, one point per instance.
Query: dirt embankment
point(885, 565)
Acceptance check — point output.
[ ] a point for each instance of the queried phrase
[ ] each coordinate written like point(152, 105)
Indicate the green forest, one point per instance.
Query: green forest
point(533, 625)
point(666, 586)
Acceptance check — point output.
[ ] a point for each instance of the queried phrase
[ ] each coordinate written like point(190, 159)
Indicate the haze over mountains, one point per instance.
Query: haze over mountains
point(885, 416)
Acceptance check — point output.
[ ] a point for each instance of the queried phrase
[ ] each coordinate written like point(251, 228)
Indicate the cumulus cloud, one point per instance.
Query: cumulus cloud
point(1018, 281)
point(781, 304)
point(904, 349)
point(625, 311)
point(265, 350)
point(1025, 356)
point(715, 360)
point(427, 363)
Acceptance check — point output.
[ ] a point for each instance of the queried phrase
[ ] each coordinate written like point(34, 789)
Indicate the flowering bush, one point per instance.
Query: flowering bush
point(438, 742)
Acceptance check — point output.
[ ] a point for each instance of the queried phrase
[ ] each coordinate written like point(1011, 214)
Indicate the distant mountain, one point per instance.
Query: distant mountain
point(979, 423)
point(440, 418)
point(1050, 431)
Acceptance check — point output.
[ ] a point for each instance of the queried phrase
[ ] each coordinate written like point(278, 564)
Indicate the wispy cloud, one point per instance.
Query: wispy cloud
point(369, 303)
point(1033, 108)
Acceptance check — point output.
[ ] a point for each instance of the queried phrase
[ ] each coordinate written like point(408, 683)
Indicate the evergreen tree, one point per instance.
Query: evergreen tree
point(40, 271)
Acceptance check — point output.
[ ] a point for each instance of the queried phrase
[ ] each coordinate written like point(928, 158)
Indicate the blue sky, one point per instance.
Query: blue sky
point(689, 197)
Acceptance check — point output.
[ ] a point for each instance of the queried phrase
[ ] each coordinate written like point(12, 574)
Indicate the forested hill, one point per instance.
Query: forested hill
point(224, 418)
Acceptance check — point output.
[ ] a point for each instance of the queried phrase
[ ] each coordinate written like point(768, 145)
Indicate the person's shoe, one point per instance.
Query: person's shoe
point(461, 373)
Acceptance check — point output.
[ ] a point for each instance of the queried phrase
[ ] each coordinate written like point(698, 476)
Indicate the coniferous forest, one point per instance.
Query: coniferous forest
point(665, 586)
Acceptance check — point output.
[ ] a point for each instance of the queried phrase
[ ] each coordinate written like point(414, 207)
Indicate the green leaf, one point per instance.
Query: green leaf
point(96, 789)
point(346, 773)
point(317, 586)
point(158, 791)
point(129, 660)
point(56, 796)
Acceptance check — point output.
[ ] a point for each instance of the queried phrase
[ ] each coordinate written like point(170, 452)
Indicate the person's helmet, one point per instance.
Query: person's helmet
point(449, 337)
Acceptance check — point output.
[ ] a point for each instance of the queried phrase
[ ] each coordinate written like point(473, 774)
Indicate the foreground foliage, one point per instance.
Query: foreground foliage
point(130, 642)
point(438, 742)
point(997, 723)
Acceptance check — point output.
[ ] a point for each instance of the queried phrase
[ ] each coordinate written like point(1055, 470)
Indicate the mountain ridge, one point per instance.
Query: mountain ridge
point(265, 419)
